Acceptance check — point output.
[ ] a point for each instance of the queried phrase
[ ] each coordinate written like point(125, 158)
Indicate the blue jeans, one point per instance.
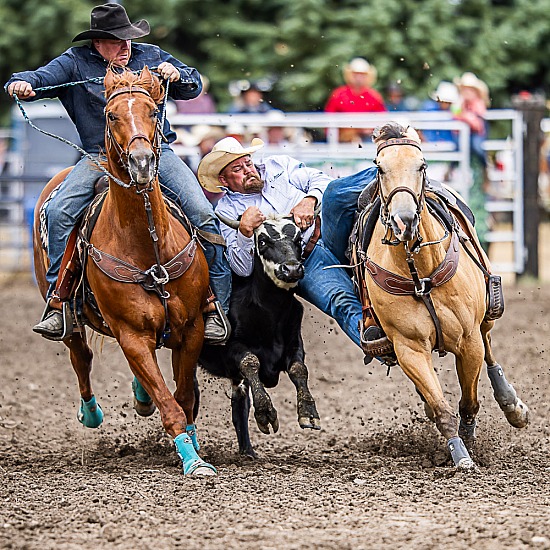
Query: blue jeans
point(331, 290)
point(178, 182)
point(338, 210)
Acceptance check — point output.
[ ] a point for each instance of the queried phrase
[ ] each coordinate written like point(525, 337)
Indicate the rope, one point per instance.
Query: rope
point(97, 80)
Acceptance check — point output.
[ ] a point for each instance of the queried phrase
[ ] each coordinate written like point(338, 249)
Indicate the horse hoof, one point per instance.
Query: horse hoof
point(467, 465)
point(519, 416)
point(204, 471)
point(90, 413)
point(144, 409)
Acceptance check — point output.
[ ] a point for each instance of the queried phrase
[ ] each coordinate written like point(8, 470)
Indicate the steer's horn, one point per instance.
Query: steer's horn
point(234, 224)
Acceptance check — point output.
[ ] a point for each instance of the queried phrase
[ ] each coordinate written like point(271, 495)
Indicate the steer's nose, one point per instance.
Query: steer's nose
point(293, 271)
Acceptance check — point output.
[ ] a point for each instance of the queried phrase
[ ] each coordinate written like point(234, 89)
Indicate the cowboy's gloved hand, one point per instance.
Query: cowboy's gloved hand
point(21, 89)
point(304, 212)
point(168, 71)
point(251, 219)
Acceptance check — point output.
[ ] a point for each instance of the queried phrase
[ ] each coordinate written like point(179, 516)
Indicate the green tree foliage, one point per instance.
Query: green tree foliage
point(303, 44)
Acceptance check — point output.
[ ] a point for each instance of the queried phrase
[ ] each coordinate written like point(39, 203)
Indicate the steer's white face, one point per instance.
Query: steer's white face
point(279, 248)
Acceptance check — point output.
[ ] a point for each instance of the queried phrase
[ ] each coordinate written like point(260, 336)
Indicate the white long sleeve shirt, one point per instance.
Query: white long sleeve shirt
point(287, 182)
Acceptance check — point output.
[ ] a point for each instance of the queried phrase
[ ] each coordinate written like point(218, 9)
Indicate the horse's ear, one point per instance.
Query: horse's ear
point(109, 81)
point(152, 83)
point(411, 133)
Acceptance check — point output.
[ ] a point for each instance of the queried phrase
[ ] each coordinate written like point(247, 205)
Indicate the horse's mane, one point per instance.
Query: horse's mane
point(393, 130)
point(127, 79)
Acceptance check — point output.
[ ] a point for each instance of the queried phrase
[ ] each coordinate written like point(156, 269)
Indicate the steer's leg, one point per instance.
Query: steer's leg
point(308, 417)
point(264, 411)
point(240, 408)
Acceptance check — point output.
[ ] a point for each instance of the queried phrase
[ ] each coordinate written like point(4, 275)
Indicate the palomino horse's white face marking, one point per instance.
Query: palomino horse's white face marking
point(402, 166)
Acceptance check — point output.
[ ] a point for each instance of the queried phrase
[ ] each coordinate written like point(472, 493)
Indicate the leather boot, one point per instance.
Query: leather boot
point(376, 344)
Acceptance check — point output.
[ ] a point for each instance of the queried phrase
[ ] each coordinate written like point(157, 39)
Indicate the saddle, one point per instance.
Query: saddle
point(459, 221)
point(71, 273)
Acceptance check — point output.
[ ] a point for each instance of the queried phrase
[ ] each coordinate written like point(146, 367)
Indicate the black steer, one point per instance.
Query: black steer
point(266, 319)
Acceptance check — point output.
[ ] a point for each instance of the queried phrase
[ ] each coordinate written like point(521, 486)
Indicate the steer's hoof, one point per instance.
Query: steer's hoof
point(266, 419)
point(309, 422)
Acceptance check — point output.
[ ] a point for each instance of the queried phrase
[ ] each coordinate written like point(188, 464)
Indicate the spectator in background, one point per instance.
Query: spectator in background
point(200, 139)
point(444, 98)
point(202, 104)
point(473, 103)
point(397, 101)
point(356, 96)
point(251, 98)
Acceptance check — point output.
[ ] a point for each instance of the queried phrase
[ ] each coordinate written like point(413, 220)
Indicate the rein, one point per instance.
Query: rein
point(97, 80)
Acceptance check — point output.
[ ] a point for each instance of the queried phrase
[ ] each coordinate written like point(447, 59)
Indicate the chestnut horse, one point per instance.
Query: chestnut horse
point(144, 269)
point(428, 287)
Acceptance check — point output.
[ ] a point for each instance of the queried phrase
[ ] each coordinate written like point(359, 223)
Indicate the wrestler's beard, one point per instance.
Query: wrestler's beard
point(253, 184)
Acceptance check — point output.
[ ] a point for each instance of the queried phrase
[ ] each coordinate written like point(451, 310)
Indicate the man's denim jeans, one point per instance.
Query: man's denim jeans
point(177, 182)
point(332, 290)
point(338, 210)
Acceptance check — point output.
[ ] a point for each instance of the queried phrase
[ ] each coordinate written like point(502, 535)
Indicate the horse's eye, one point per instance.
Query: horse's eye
point(111, 116)
point(423, 167)
point(262, 244)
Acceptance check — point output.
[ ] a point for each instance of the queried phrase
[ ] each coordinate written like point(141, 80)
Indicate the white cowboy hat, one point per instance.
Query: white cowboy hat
point(446, 92)
point(470, 80)
point(223, 153)
point(360, 65)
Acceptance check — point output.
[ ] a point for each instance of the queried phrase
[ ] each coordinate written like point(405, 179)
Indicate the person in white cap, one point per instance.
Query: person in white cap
point(356, 96)
point(444, 98)
point(280, 185)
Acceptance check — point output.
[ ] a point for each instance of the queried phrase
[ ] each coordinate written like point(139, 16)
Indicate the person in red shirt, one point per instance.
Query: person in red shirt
point(356, 96)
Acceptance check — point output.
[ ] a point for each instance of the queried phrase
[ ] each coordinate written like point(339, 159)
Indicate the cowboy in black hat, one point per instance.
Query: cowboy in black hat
point(111, 33)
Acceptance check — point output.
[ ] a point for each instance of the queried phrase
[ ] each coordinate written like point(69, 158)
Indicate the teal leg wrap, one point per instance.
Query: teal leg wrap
point(189, 457)
point(90, 413)
point(141, 395)
point(191, 430)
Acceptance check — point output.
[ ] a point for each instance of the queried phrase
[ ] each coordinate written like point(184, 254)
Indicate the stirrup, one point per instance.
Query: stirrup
point(495, 295)
point(68, 325)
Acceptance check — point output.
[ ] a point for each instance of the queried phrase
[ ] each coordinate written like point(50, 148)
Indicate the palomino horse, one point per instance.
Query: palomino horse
point(428, 287)
point(147, 274)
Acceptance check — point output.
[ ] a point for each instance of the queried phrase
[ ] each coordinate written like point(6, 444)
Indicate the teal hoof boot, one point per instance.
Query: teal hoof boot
point(90, 413)
point(143, 404)
point(193, 464)
point(191, 430)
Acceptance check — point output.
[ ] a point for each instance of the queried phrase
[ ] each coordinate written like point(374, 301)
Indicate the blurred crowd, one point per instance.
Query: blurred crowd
point(466, 98)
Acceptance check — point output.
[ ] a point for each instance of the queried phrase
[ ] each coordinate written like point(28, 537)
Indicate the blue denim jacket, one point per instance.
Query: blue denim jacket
point(85, 103)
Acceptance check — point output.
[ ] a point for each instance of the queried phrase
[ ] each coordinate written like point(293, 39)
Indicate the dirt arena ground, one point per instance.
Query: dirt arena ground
point(377, 476)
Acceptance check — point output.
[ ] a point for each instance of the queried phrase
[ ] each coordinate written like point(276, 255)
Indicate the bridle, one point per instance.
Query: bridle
point(417, 286)
point(124, 153)
point(385, 201)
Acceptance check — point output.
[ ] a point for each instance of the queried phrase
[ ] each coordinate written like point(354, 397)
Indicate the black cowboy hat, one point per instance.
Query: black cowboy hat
point(111, 21)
